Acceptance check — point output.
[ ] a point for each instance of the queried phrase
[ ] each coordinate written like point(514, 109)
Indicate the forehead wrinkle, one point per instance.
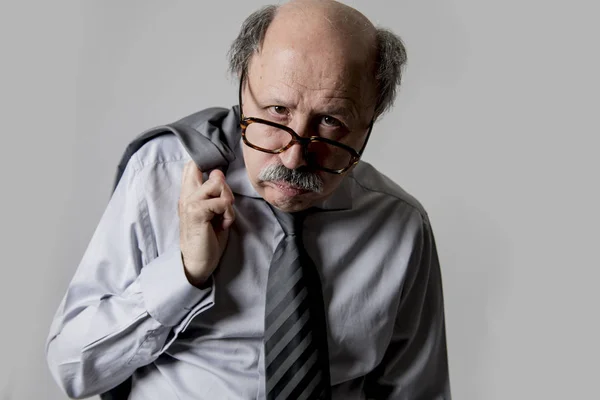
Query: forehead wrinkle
point(350, 111)
point(293, 86)
point(349, 84)
point(274, 88)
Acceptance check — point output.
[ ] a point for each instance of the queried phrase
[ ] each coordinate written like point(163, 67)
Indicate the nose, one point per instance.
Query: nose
point(292, 158)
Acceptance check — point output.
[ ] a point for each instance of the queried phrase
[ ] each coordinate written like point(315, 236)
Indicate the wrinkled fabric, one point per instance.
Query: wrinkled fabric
point(129, 310)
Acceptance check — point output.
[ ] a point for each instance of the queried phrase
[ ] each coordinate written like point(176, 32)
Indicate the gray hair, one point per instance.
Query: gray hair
point(391, 55)
point(300, 178)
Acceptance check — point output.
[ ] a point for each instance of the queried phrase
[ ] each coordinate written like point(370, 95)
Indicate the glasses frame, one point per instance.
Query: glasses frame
point(297, 139)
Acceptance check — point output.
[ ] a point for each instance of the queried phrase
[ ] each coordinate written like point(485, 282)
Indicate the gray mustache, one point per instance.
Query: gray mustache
point(299, 178)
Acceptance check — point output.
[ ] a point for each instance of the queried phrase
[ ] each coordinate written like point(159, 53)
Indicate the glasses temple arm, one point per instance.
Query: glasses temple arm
point(367, 139)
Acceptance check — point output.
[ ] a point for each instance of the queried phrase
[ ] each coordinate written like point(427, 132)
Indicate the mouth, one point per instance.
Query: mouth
point(288, 189)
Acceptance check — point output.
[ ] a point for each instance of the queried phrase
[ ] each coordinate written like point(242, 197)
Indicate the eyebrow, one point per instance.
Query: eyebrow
point(348, 113)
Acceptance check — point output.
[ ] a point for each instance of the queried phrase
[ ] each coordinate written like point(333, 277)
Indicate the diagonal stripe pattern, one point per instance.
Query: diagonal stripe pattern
point(296, 356)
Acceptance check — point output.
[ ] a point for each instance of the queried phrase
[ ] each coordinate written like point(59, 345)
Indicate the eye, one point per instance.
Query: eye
point(279, 110)
point(330, 121)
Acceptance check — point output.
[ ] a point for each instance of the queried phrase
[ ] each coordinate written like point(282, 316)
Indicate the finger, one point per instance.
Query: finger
point(227, 193)
point(216, 173)
point(191, 179)
point(228, 217)
point(212, 208)
point(213, 187)
point(217, 179)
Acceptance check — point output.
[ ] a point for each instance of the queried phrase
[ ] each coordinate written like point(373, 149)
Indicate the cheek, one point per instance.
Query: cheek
point(330, 182)
point(255, 161)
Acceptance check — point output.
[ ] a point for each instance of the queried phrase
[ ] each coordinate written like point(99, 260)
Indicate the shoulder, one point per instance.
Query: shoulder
point(157, 166)
point(370, 181)
point(388, 209)
point(162, 149)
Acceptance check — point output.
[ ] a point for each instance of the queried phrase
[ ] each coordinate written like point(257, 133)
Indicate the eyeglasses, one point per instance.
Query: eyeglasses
point(318, 152)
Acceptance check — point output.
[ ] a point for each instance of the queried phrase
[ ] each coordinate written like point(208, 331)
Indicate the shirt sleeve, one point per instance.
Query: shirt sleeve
point(125, 304)
point(415, 365)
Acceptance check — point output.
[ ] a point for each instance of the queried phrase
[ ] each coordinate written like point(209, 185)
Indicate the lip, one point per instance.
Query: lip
point(288, 189)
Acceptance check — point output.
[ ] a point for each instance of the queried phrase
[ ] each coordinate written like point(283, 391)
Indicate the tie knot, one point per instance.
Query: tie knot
point(291, 223)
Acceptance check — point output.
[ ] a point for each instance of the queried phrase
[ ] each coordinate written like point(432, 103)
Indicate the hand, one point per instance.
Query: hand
point(205, 214)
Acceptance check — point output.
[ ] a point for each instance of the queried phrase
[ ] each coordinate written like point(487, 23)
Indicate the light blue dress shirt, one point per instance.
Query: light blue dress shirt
point(130, 311)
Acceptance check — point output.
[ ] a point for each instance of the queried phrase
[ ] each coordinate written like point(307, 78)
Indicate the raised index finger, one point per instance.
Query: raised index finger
point(191, 179)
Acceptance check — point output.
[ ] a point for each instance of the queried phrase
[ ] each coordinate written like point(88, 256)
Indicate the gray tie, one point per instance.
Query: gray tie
point(296, 356)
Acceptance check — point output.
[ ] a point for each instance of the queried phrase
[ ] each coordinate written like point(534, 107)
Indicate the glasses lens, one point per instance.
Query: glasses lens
point(319, 153)
point(267, 137)
point(328, 156)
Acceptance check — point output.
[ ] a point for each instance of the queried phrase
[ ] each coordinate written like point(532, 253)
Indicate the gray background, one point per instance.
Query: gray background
point(495, 131)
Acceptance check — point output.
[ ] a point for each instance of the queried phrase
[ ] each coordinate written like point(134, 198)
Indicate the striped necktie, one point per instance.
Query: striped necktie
point(296, 356)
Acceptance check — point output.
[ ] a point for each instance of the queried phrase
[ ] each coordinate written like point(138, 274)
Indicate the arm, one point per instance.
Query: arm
point(415, 366)
point(125, 305)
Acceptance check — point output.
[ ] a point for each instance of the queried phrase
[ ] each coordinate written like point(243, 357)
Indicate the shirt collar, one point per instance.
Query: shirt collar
point(238, 181)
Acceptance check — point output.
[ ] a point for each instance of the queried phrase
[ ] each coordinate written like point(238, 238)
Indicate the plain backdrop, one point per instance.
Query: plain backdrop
point(495, 131)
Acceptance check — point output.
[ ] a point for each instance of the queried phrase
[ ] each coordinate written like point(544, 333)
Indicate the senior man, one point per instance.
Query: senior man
point(300, 273)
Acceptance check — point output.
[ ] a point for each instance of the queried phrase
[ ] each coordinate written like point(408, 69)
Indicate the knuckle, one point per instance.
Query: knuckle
point(216, 176)
point(214, 182)
point(187, 207)
point(194, 207)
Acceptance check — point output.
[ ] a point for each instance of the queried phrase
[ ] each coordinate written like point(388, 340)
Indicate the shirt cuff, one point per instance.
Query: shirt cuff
point(168, 295)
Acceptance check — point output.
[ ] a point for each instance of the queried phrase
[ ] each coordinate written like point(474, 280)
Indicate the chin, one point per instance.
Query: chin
point(289, 207)
point(288, 203)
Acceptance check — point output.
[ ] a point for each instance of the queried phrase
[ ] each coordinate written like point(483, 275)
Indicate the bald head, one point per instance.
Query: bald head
point(328, 30)
point(327, 20)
